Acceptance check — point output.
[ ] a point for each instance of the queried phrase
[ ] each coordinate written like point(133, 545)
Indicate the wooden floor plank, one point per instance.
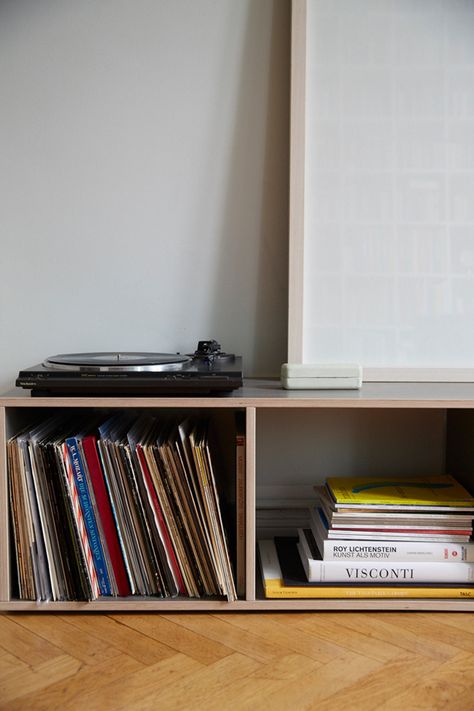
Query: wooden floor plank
point(459, 620)
point(9, 664)
point(459, 702)
point(67, 637)
point(220, 631)
point(308, 687)
point(403, 632)
point(252, 692)
point(432, 629)
point(373, 690)
point(445, 690)
point(130, 690)
point(168, 631)
point(29, 647)
point(121, 637)
point(64, 691)
point(34, 679)
point(270, 627)
point(333, 630)
point(198, 688)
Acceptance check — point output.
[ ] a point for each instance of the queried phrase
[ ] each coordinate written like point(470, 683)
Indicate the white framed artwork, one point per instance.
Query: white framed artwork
point(382, 187)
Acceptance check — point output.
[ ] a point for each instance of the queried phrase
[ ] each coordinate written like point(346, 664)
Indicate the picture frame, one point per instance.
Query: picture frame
point(417, 248)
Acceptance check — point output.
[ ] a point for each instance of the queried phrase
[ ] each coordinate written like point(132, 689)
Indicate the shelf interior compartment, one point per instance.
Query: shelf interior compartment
point(223, 431)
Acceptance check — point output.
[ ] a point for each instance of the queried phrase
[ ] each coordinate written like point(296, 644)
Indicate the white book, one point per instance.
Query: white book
point(387, 550)
point(378, 572)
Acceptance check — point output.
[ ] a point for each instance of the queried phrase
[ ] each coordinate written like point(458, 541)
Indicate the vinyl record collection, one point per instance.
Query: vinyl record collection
point(127, 504)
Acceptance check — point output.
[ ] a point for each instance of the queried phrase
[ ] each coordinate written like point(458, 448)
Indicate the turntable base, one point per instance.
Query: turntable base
point(207, 370)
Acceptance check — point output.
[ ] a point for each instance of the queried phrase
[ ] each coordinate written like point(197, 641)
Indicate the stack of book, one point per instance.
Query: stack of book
point(125, 506)
point(369, 537)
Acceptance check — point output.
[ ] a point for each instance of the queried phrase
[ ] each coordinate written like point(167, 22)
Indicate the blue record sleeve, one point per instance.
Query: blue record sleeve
point(89, 516)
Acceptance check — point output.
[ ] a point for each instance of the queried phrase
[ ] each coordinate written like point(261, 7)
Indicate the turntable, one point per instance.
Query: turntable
point(207, 370)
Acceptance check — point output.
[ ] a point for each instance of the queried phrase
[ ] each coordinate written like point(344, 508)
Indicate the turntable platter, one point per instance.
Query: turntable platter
point(106, 361)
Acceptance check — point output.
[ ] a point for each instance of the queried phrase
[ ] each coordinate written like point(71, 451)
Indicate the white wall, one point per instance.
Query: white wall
point(144, 178)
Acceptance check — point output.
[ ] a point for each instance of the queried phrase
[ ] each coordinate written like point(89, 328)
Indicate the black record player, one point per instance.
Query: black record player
point(207, 370)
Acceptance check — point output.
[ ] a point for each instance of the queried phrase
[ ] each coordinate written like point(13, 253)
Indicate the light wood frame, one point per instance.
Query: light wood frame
point(297, 180)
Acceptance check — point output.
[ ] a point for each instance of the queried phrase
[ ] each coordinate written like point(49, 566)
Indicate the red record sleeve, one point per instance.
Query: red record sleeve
point(161, 522)
point(105, 511)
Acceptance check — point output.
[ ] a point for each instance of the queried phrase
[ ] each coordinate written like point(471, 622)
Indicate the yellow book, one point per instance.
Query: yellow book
point(274, 585)
point(441, 491)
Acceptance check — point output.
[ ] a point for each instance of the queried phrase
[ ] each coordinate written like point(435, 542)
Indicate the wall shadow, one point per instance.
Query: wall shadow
point(251, 283)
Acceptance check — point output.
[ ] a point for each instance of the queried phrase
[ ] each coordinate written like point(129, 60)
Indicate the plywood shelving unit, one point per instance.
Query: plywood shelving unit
point(292, 439)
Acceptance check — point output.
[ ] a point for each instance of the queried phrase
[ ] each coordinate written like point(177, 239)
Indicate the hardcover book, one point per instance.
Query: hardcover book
point(379, 571)
point(384, 549)
point(440, 492)
point(283, 577)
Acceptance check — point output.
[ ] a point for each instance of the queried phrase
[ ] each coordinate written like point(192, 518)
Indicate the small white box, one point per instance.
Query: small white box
point(321, 376)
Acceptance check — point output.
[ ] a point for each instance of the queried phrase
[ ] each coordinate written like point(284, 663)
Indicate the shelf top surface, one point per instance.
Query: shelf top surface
point(269, 393)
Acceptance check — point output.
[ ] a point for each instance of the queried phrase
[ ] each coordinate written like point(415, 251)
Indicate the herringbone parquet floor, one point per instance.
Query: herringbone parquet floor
point(274, 661)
